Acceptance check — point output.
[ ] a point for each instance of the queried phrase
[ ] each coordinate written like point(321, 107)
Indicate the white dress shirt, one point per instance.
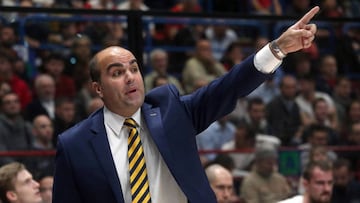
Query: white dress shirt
point(163, 187)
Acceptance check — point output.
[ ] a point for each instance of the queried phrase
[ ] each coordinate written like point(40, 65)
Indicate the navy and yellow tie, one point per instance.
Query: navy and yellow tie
point(139, 183)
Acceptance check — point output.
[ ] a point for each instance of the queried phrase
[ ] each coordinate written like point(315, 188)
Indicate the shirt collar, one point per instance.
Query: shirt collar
point(115, 122)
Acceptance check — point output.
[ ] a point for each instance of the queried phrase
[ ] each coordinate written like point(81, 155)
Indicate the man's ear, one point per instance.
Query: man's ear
point(305, 183)
point(97, 87)
point(11, 195)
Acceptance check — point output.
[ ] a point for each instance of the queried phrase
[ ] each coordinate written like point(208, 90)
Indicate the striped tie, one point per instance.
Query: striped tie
point(138, 176)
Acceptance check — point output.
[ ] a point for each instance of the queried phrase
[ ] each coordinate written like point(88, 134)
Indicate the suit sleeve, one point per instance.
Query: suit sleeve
point(65, 189)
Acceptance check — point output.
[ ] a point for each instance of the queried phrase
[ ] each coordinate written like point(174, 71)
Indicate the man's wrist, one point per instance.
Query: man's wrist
point(275, 49)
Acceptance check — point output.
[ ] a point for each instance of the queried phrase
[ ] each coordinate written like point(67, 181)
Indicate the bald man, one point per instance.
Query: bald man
point(221, 181)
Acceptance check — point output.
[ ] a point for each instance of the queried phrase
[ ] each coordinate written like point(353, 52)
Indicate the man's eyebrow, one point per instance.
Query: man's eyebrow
point(110, 66)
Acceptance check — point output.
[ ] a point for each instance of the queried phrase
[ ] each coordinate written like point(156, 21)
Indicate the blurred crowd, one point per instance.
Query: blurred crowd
point(311, 104)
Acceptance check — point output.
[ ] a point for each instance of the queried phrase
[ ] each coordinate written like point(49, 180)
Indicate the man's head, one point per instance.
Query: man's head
point(318, 135)
point(10, 105)
point(46, 187)
point(221, 181)
point(159, 61)
point(256, 109)
point(117, 80)
point(354, 135)
point(342, 173)
point(318, 181)
point(43, 129)
point(288, 87)
point(265, 161)
point(17, 185)
point(45, 88)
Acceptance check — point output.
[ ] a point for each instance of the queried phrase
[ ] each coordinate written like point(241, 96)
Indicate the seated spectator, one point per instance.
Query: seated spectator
point(15, 132)
point(19, 86)
point(202, 68)
point(220, 37)
point(44, 101)
point(46, 187)
point(316, 135)
point(243, 140)
point(346, 187)
point(264, 184)
point(43, 133)
point(222, 183)
point(64, 116)
point(266, 7)
point(315, 173)
point(255, 116)
point(327, 74)
point(83, 98)
point(232, 55)
point(212, 138)
point(159, 64)
point(17, 185)
point(54, 65)
point(283, 113)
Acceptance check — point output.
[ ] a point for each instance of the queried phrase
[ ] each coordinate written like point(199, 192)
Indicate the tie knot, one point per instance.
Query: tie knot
point(131, 123)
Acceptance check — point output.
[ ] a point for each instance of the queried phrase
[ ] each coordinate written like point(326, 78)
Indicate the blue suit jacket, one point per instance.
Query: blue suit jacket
point(85, 171)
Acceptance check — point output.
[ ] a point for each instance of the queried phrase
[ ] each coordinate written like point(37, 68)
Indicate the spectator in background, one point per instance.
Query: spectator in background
point(283, 113)
point(77, 65)
point(83, 99)
point(183, 6)
point(185, 37)
point(244, 139)
point(4, 88)
point(202, 68)
point(221, 182)
point(17, 185)
point(232, 55)
point(159, 64)
point(325, 117)
point(220, 36)
point(212, 138)
point(19, 86)
point(316, 135)
point(342, 96)
point(317, 180)
point(327, 74)
point(44, 101)
point(255, 116)
point(264, 184)
point(64, 116)
point(352, 114)
point(266, 7)
point(46, 186)
point(307, 96)
point(7, 40)
point(346, 187)
point(15, 132)
point(54, 65)
point(298, 7)
point(43, 133)
point(94, 104)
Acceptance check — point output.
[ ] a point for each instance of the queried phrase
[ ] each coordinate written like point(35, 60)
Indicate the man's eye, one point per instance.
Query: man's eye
point(117, 73)
point(135, 69)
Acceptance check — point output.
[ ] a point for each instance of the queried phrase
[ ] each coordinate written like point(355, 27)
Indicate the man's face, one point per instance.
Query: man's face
point(257, 112)
point(319, 187)
point(46, 186)
point(43, 128)
point(289, 87)
point(223, 188)
point(26, 189)
point(121, 85)
point(319, 138)
point(11, 105)
point(341, 176)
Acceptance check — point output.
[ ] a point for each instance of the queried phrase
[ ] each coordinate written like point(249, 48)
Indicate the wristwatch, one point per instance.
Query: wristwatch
point(276, 50)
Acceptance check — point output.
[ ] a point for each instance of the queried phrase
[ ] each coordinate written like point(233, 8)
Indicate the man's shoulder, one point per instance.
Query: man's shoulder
point(296, 199)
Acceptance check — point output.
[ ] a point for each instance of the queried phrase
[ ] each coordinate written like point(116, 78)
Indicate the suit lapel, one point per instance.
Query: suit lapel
point(102, 150)
point(153, 121)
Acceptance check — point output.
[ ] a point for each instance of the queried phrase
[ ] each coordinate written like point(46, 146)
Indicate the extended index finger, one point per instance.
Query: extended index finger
point(308, 16)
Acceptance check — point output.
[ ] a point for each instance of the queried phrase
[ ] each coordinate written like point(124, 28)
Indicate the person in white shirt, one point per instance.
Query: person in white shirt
point(317, 181)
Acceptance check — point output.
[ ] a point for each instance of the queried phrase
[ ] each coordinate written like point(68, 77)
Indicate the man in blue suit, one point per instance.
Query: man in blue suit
point(92, 163)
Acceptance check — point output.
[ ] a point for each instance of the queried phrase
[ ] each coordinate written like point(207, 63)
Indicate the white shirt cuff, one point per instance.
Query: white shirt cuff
point(265, 61)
